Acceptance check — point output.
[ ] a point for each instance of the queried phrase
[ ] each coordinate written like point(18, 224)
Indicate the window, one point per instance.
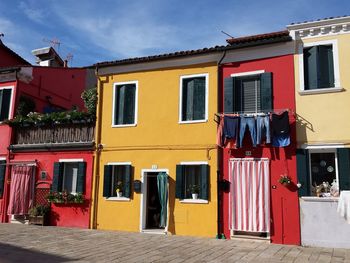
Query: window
point(5, 103)
point(248, 92)
point(319, 67)
point(192, 177)
point(125, 104)
point(316, 166)
point(69, 176)
point(117, 176)
point(2, 176)
point(193, 98)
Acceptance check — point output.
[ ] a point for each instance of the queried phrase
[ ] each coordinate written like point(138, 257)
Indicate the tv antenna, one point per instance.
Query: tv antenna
point(226, 34)
point(55, 43)
point(69, 58)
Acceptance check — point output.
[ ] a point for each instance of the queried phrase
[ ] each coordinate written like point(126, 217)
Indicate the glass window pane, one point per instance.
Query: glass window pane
point(70, 176)
point(322, 169)
point(125, 96)
point(118, 175)
point(192, 179)
point(193, 99)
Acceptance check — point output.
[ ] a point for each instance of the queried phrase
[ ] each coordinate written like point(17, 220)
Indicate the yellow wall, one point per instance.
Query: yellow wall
point(322, 118)
point(158, 139)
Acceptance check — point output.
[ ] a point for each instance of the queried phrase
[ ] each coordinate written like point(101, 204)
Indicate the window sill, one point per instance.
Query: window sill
point(124, 125)
point(120, 199)
point(319, 199)
point(195, 121)
point(194, 201)
point(320, 91)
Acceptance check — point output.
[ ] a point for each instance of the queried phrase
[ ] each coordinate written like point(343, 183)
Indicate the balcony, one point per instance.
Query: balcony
point(70, 136)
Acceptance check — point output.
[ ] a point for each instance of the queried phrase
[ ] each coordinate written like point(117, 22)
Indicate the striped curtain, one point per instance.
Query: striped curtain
point(162, 183)
point(249, 195)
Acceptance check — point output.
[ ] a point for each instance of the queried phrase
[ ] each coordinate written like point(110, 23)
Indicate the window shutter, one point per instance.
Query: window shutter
point(57, 177)
point(228, 95)
point(237, 95)
point(343, 155)
point(107, 180)
point(266, 92)
point(199, 99)
point(2, 177)
point(120, 104)
point(129, 104)
point(204, 192)
point(81, 177)
point(310, 68)
point(325, 67)
point(5, 100)
point(180, 193)
point(303, 172)
point(127, 180)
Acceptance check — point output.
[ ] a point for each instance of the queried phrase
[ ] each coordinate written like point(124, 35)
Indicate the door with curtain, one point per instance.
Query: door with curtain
point(249, 197)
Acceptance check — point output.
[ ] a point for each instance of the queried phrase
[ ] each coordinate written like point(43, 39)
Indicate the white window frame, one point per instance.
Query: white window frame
point(183, 77)
point(323, 150)
point(115, 198)
point(136, 103)
point(74, 184)
point(11, 100)
point(337, 86)
point(194, 201)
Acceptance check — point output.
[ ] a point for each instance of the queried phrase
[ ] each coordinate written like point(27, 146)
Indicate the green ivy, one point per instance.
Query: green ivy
point(89, 97)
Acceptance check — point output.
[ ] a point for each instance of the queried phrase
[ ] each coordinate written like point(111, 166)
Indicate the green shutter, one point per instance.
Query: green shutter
point(127, 181)
point(180, 193)
point(303, 171)
point(107, 180)
point(199, 99)
point(5, 101)
point(81, 177)
point(204, 181)
point(129, 104)
point(2, 177)
point(57, 177)
point(266, 92)
point(325, 74)
point(343, 155)
point(310, 68)
point(228, 95)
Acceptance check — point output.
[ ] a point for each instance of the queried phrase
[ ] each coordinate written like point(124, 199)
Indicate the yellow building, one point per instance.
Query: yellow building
point(157, 144)
point(322, 81)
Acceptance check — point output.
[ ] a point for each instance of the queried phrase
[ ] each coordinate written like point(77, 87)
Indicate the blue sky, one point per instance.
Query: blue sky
point(104, 30)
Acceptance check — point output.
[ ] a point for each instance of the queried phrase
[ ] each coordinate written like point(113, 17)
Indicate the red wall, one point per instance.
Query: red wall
point(68, 215)
point(8, 59)
point(285, 226)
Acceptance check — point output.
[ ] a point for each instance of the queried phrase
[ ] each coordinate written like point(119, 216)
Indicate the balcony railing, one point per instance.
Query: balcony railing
point(63, 136)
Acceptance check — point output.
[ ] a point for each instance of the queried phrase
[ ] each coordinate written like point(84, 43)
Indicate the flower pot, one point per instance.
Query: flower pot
point(119, 194)
point(194, 196)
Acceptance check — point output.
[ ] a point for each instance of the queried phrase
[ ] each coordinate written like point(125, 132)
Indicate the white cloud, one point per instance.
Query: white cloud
point(33, 13)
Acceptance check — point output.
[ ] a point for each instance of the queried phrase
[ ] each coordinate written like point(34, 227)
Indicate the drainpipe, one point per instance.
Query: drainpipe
point(97, 151)
point(219, 234)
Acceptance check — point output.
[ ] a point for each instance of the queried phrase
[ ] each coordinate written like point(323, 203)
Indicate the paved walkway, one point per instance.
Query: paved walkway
point(23, 243)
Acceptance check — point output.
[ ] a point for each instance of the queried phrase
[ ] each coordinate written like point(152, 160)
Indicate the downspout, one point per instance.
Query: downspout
point(219, 234)
point(97, 151)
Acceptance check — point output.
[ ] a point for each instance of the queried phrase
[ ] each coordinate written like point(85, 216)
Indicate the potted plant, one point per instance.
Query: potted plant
point(194, 189)
point(38, 215)
point(119, 189)
point(79, 198)
point(284, 180)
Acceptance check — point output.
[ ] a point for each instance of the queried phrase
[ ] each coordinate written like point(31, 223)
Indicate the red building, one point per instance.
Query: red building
point(38, 150)
point(258, 80)
point(8, 58)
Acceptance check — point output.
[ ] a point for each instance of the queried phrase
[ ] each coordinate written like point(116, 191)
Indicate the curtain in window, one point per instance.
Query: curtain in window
point(249, 195)
point(21, 190)
point(162, 183)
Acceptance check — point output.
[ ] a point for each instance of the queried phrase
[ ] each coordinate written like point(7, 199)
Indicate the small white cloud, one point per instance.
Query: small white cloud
point(34, 14)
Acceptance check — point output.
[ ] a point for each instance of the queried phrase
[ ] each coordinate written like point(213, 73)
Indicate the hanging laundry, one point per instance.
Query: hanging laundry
point(250, 122)
point(219, 134)
point(280, 129)
point(230, 129)
point(263, 129)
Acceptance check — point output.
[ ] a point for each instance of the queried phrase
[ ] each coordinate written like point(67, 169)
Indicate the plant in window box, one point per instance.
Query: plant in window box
point(119, 189)
point(194, 190)
point(55, 197)
point(285, 180)
point(79, 198)
point(38, 215)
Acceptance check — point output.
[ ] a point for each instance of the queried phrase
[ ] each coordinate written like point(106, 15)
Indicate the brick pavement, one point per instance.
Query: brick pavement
point(23, 243)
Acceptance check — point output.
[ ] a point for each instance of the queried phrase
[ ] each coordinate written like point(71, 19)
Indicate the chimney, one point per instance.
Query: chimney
point(48, 57)
point(65, 63)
